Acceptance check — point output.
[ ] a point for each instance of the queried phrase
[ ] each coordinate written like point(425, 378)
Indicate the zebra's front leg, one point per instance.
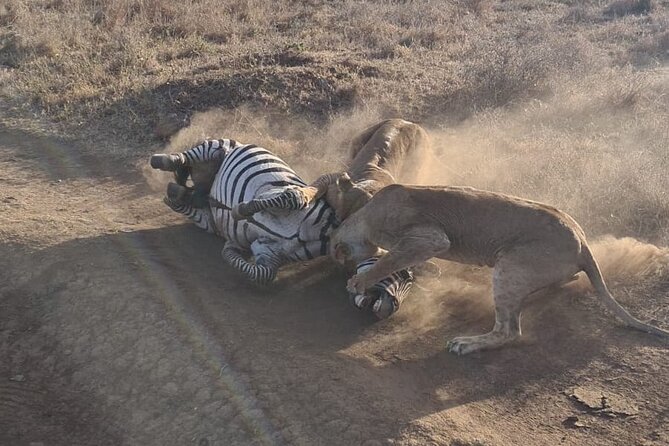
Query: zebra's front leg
point(256, 272)
point(209, 151)
point(206, 158)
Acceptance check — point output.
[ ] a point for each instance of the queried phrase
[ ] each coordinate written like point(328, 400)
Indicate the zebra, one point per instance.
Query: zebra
point(289, 233)
point(225, 174)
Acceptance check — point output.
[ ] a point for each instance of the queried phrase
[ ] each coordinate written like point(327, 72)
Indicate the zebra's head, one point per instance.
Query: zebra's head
point(202, 175)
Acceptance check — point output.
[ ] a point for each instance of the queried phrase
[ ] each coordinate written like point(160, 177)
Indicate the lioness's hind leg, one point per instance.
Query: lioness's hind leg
point(516, 276)
point(507, 325)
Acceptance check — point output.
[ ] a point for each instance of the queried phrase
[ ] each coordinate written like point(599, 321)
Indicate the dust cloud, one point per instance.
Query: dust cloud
point(310, 150)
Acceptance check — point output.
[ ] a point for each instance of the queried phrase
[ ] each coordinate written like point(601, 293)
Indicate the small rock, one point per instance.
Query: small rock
point(98, 17)
point(593, 399)
point(18, 378)
point(574, 423)
point(603, 403)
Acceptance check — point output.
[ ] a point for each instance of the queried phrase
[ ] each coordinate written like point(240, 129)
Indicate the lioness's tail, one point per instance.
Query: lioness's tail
point(589, 265)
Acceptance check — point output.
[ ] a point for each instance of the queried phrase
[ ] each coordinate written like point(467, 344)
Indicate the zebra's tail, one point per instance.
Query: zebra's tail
point(168, 163)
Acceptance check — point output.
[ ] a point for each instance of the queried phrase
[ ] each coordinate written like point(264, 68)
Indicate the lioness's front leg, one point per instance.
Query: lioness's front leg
point(415, 246)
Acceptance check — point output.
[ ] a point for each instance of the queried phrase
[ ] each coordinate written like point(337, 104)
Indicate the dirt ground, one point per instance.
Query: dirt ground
point(120, 324)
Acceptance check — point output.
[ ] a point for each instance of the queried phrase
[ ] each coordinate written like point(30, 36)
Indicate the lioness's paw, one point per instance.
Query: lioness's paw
point(463, 345)
point(355, 285)
point(427, 269)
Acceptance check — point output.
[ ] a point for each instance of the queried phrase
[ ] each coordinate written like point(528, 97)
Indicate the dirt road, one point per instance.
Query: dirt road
point(120, 325)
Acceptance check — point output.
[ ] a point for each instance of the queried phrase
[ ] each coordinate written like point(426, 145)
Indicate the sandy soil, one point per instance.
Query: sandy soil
point(119, 324)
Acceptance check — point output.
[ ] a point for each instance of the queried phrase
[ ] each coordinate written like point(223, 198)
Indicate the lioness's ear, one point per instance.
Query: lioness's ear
point(344, 183)
point(342, 252)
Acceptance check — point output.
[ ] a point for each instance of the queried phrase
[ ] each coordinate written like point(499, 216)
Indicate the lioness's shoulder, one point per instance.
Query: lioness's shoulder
point(392, 192)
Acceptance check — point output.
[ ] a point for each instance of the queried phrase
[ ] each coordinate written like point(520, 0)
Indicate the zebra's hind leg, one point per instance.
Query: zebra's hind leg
point(168, 163)
point(257, 273)
point(293, 199)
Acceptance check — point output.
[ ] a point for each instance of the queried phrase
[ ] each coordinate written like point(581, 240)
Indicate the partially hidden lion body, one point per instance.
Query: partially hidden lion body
point(391, 151)
point(529, 245)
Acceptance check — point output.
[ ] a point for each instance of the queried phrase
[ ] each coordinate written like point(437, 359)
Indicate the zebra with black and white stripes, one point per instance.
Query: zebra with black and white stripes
point(291, 232)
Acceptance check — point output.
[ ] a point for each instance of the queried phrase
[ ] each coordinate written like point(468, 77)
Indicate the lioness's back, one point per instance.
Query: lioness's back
point(469, 212)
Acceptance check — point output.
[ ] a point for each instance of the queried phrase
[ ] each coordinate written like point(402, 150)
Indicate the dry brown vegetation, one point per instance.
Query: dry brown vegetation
point(123, 65)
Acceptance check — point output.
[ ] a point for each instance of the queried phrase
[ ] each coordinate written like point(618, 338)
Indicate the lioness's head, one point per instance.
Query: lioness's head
point(351, 254)
point(346, 197)
point(349, 245)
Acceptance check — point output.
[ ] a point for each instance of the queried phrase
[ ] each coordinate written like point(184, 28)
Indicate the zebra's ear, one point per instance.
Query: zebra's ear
point(344, 183)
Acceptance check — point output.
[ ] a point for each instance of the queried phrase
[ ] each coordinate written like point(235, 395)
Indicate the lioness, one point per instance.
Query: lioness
point(530, 246)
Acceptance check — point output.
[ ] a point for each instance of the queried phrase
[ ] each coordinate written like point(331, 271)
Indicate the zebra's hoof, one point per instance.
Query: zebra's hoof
point(178, 194)
point(385, 306)
point(165, 162)
point(360, 301)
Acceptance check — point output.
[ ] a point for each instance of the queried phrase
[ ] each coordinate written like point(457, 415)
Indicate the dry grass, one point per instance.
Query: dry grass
point(596, 148)
point(550, 99)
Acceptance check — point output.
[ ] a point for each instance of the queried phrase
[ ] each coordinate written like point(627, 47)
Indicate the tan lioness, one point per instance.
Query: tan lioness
point(530, 246)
